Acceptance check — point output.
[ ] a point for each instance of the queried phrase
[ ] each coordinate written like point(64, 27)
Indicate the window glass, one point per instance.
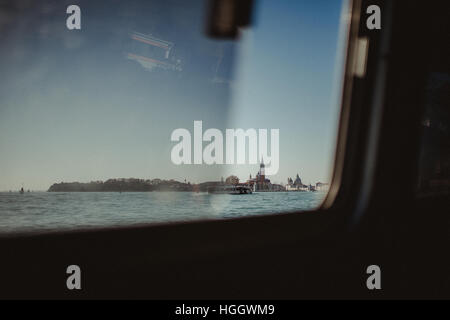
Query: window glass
point(127, 112)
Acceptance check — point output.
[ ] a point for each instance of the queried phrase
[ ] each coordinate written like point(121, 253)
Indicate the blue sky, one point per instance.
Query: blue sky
point(74, 108)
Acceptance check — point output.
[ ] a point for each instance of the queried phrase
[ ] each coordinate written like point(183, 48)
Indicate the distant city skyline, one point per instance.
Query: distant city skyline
point(100, 102)
point(221, 178)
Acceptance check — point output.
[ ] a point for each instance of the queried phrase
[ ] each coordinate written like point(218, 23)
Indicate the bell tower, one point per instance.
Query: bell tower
point(262, 174)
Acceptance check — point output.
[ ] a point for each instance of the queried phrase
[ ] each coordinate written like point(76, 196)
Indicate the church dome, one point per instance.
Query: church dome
point(298, 181)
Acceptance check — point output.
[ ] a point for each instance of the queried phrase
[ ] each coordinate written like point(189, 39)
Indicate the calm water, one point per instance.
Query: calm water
point(39, 211)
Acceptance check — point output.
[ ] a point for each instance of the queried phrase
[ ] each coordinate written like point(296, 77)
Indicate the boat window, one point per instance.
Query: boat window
point(115, 113)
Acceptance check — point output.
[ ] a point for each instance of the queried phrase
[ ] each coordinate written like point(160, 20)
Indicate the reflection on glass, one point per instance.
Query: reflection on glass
point(91, 115)
point(434, 170)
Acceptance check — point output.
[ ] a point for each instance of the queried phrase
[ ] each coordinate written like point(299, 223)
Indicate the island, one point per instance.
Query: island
point(132, 185)
point(259, 183)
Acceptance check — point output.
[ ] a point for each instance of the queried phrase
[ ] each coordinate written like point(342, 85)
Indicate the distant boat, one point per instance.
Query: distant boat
point(229, 189)
point(21, 190)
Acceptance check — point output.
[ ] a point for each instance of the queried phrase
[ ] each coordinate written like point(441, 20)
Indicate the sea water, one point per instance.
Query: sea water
point(50, 211)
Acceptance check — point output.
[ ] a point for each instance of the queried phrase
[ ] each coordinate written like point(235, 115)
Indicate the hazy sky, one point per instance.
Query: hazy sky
point(73, 107)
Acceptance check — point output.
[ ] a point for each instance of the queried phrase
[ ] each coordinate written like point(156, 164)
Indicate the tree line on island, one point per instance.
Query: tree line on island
point(132, 185)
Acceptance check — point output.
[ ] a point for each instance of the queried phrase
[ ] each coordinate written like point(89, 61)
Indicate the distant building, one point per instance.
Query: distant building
point(296, 185)
point(322, 186)
point(232, 180)
point(277, 187)
point(260, 182)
